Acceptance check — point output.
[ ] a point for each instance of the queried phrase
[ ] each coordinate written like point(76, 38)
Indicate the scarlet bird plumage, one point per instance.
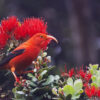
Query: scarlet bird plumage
point(22, 56)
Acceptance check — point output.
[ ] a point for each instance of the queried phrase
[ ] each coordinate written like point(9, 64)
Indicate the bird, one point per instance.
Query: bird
point(23, 55)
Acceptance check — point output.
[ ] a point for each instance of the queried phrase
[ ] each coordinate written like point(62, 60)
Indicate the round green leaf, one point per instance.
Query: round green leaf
point(67, 89)
point(78, 85)
point(70, 81)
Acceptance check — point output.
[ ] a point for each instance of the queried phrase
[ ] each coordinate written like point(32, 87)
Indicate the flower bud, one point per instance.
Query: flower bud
point(44, 54)
point(49, 58)
point(35, 70)
point(39, 58)
point(54, 91)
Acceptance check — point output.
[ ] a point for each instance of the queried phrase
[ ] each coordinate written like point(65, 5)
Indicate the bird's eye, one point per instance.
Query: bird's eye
point(41, 36)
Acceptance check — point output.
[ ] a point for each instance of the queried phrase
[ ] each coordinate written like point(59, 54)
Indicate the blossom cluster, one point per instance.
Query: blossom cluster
point(92, 91)
point(12, 29)
point(90, 79)
point(86, 76)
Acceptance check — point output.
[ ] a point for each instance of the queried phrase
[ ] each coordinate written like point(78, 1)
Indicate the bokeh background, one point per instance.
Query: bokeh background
point(75, 23)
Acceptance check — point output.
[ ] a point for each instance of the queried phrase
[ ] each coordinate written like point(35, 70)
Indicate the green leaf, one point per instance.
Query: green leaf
point(43, 73)
point(98, 81)
point(94, 78)
point(50, 80)
point(91, 71)
point(78, 85)
point(30, 75)
point(95, 66)
point(34, 79)
point(57, 77)
point(75, 97)
point(98, 73)
point(94, 84)
point(20, 92)
point(33, 84)
point(67, 89)
point(70, 81)
point(19, 95)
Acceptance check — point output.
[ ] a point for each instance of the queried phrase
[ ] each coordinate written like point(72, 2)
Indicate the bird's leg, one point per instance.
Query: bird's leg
point(13, 72)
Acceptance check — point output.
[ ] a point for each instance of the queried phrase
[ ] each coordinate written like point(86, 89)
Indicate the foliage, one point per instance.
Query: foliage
point(39, 82)
point(71, 85)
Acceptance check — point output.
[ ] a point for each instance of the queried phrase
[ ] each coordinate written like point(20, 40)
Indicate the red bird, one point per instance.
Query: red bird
point(22, 56)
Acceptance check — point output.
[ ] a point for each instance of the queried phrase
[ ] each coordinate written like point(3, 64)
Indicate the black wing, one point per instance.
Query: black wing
point(12, 55)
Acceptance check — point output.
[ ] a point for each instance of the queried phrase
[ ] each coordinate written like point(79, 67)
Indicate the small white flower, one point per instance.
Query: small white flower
point(11, 45)
point(33, 62)
point(44, 54)
point(49, 58)
point(35, 70)
point(39, 58)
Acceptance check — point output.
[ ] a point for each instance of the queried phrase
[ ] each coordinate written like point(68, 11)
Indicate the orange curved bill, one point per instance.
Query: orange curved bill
point(52, 38)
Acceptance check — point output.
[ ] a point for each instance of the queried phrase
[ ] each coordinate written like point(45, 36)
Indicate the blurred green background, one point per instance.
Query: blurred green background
point(75, 23)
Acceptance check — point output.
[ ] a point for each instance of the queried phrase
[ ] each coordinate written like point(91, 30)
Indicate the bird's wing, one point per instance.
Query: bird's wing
point(11, 56)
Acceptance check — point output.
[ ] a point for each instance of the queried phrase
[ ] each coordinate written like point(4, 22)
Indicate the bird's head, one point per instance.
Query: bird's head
point(42, 40)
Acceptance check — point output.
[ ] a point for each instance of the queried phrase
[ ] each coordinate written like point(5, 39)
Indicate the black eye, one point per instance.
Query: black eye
point(41, 36)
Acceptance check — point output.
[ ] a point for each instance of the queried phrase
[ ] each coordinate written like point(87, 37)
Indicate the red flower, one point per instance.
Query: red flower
point(64, 74)
point(98, 93)
point(82, 73)
point(3, 38)
point(88, 76)
point(91, 91)
point(9, 24)
point(29, 27)
point(11, 27)
point(71, 72)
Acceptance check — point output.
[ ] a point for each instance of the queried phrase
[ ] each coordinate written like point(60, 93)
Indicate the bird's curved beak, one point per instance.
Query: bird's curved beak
point(52, 38)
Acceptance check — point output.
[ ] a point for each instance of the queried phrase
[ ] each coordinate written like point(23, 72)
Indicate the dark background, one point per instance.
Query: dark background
point(75, 23)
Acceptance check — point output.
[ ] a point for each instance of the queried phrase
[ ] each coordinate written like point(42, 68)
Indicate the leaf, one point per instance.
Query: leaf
point(34, 79)
point(98, 73)
point(70, 81)
point(75, 97)
point(78, 85)
point(67, 89)
point(94, 84)
point(30, 75)
point(57, 77)
point(33, 90)
point(33, 84)
point(20, 92)
point(20, 95)
point(43, 73)
point(50, 80)
point(98, 81)
point(94, 78)
point(95, 66)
